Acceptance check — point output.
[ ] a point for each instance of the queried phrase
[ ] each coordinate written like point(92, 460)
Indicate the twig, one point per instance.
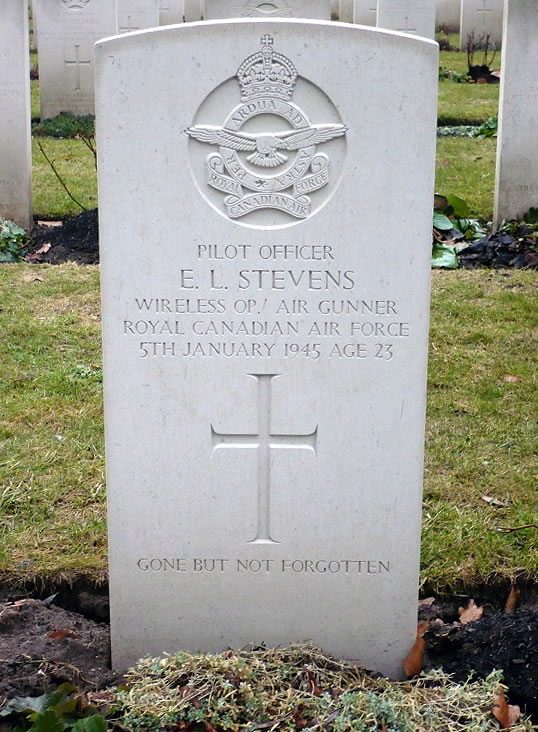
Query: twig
point(509, 529)
point(88, 141)
point(49, 161)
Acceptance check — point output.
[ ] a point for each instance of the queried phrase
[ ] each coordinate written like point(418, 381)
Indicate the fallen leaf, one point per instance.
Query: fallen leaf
point(494, 501)
point(506, 714)
point(426, 603)
point(62, 634)
point(513, 599)
point(300, 721)
point(470, 613)
point(209, 727)
point(413, 663)
point(314, 688)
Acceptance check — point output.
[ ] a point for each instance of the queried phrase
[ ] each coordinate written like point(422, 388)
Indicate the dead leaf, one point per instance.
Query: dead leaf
point(470, 613)
point(62, 634)
point(511, 379)
point(50, 223)
point(440, 202)
point(513, 599)
point(426, 603)
point(506, 714)
point(314, 688)
point(300, 721)
point(494, 501)
point(209, 727)
point(413, 663)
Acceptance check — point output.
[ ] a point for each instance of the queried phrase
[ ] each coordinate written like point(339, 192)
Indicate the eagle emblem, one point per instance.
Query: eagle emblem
point(273, 168)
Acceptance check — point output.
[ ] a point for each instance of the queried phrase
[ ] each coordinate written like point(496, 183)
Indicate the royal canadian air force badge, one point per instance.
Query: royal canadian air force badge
point(267, 169)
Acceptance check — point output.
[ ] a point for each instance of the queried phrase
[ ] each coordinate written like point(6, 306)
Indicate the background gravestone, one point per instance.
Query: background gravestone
point(193, 10)
point(68, 30)
point(481, 17)
point(136, 15)
point(345, 11)
point(261, 9)
point(171, 11)
point(416, 17)
point(15, 136)
point(516, 188)
point(265, 289)
point(365, 12)
point(447, 16)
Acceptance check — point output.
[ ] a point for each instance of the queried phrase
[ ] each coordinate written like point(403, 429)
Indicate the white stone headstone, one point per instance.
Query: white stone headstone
point(481, 17)
point(516, 189)
point(68, 30)
point(171, 12)
point(345, 11)
point(447, 16)
point(15, 136)
point(136, 15)
point(365, 12)
point(416, 17)
point(262, 9)
point(265, 312)
point(193, 10)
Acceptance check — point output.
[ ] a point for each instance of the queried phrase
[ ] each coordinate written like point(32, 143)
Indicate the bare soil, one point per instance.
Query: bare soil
point(43, 645)
point(77, 240)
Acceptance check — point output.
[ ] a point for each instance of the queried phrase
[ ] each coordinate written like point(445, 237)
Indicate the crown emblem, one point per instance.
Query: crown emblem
point(267, 73)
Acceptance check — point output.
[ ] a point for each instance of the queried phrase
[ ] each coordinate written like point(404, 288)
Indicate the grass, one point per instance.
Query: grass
point(75, 164)
point(466, 167)
point(481, 437)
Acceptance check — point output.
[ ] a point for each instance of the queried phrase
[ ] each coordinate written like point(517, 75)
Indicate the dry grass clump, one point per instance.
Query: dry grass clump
point(294, 688)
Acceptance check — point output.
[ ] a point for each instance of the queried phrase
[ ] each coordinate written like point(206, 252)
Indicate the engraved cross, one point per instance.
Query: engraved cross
point(129, 27)
point(264, 441)
point(77, 63)
point(483, 9)
point(406, 29)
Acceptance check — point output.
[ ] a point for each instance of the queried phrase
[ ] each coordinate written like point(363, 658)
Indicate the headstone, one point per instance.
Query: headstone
point(345, 11)
point(265, 254)
point(68, 30)
point(416, 17)
point(15, 140)
point(136, 15)
point(447, 16)
point(193, 10)
point(365, 12)
point(171, 12)
point(263, 9)
point(516, 189)
point(481, 18)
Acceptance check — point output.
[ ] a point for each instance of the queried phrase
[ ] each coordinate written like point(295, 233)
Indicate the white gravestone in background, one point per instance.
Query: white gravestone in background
point(193, 10)
point(345, 11)
point(481, 17)
point(265, 319)
point(171, 12)
point(447, 16)
point(34, 26)
point(365, 12)
point(262, 9)
point(416, 17)
point(15, 140)
point(136, 15)
point(68, 30)
point(516, 189)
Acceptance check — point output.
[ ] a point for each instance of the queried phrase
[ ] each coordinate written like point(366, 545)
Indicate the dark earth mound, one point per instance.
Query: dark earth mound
point(77, 240)
point(43, 645)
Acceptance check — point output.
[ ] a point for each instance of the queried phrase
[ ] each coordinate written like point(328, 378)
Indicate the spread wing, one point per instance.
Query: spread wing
point(220, 136)
point(306, 136)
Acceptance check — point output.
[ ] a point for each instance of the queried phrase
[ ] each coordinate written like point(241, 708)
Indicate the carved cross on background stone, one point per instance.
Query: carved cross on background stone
point(264, 441)
point(77, 63)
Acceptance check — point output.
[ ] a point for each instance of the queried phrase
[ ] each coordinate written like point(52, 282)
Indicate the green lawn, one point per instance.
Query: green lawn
point(481, 437)
point(466, 167)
